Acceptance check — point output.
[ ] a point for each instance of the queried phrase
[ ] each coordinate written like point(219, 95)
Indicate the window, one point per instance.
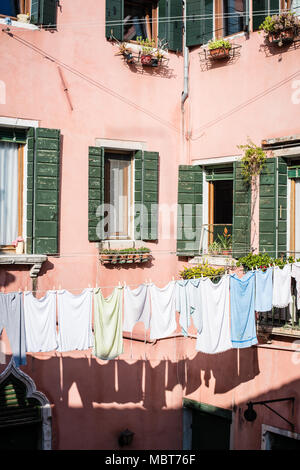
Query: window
point(11, 193)
point(140, 20)
point(229, 17)
point(118, 196)
point(14, 7)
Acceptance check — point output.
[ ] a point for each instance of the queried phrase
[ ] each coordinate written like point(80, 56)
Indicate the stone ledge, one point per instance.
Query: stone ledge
point(213, 260)
point(35, 260)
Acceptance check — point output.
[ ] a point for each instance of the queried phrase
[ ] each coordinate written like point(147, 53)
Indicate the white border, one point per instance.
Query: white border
point(217, 160)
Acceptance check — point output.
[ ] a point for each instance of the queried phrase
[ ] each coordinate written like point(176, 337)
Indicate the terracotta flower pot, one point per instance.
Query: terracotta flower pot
point(146, 59)
point(219, 53)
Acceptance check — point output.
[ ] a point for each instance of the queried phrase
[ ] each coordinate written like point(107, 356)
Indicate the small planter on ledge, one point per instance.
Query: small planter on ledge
point(219, 49)
point(281, 29)
point(124, 256)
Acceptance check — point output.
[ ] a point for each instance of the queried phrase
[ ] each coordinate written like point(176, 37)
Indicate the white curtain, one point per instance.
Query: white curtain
point(295, 7)
point(8, 193)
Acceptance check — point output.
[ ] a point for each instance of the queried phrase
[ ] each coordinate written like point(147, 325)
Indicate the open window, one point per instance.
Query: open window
point(14, 7)
point(140, 19)
point(229, 17)
point(11, 187)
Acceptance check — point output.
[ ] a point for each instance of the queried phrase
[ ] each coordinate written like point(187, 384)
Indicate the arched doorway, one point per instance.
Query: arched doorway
point(25, 413)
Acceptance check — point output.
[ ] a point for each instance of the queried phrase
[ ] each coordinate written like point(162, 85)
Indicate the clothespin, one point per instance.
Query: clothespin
point(120, 284)
point(124, 283)
point(173, 278)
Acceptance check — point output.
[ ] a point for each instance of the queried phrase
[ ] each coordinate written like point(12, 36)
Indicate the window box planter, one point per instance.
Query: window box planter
point(129, 256)
point(219, 53)
point(283, 37)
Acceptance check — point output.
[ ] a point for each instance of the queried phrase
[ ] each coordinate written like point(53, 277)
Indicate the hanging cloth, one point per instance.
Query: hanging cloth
point(136, 307)
point(12, 319)
point(163, 305)
point(296, 275)
point(282, 286)
point(74, 320)
point(40, 322)
point(263, 290)
point(108, 324)
point(188, 304)
point(215, 335)
point(242, 313)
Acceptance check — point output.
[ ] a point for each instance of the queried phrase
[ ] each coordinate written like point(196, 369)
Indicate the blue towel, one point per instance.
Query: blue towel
point(264, 290)
point(242, 314)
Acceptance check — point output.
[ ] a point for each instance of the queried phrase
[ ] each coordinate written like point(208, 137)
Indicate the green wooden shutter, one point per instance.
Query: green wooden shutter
point(273, 207)
point(170, 23)
point(96, 193)
point(146, 195)
point(263, 8)
point(43, 190)
point(44, 12)
point(114, 19)
point(199, 29)
point(189, 215)
point(241, 230)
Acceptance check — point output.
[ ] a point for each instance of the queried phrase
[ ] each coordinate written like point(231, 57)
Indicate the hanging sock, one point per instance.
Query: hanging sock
point(74, 320)
point(40, 322)
point(163, 303)
point(242, 313)
point(215, 335)
point(136, 307)
point(12, 319)
point(108, 324)
point(282, 286)
point(264, 290)
point(188, 304)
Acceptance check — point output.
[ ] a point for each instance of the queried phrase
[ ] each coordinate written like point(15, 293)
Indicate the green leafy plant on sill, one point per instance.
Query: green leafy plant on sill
point(225, 240)
point(219, 44)
point(262, 261)
point(279, 23)
point(148, 45)
point(214, 247)
point(124, 251)
point(253, 160)
point(202, 270)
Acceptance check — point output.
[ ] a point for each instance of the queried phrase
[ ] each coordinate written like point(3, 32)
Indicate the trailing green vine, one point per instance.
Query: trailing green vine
point(253, 160)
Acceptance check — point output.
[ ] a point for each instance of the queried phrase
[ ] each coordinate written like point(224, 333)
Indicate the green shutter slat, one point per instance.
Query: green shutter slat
point(272, 199)
point(43, 173)
point(189, 214)
point(114, 19)
point(146, 195)
point(261, 9)
point(44, 12)
point(241, 230)
point(170, 23)
point(96, 193)
point(199, 29)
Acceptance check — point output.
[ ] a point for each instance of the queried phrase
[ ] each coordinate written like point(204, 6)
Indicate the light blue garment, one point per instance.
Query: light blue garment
point(188, 304)
point(264, 290)
point(242, 314)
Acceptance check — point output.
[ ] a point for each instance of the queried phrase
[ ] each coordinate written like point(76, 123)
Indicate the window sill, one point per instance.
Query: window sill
point(213, 260)
point(279, 331)
point(120, 244)
point(19, 24)
point(35, 260)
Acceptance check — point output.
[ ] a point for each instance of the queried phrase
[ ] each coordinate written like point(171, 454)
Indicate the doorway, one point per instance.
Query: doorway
point(205, 427)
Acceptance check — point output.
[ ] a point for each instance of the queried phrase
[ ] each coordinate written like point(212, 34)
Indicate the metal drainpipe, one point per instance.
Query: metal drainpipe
point(185, 92)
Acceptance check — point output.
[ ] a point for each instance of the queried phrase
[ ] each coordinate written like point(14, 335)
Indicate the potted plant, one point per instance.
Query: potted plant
point(147, 51)
point(219, 48)
point(144, 254)
point(109, 256)
point(214, 248)
point(126, 52)
point(225, 242)
point(281, 28)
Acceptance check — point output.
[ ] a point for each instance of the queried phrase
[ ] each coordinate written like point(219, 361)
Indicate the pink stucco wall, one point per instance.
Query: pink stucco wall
point(93, 400)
